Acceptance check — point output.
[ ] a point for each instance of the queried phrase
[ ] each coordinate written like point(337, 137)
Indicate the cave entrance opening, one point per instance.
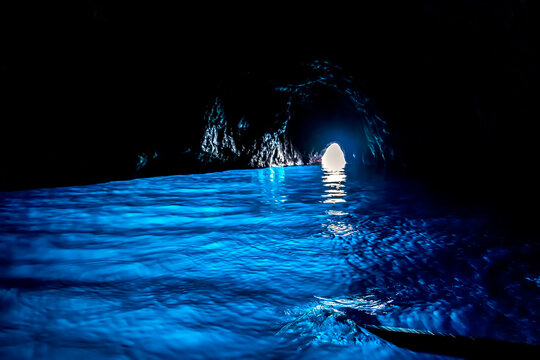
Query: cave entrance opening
point(333, 158)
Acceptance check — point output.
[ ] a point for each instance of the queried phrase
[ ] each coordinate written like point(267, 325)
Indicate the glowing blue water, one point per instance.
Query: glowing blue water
point(271, 263)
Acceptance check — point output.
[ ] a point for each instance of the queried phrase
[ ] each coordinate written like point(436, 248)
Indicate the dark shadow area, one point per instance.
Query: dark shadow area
point(93, 90)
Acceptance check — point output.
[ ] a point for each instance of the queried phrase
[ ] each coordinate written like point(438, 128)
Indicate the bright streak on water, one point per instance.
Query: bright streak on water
point(269, 263)
point(334, 182)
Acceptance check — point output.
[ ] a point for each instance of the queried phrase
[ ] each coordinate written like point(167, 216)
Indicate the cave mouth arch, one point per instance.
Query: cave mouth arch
point(333, 158)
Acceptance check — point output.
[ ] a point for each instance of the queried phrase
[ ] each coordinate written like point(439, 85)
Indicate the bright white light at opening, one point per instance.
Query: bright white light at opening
point(333, 158)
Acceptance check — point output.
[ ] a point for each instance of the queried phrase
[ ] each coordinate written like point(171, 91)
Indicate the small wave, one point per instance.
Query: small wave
point(335, 321)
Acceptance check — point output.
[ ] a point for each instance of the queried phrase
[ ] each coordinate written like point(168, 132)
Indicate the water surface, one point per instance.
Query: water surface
point(269, 263)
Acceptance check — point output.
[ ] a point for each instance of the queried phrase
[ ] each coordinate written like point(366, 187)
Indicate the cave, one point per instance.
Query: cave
point(269, 181)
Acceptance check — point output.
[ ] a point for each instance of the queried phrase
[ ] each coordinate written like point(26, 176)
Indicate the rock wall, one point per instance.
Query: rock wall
point(228, 142)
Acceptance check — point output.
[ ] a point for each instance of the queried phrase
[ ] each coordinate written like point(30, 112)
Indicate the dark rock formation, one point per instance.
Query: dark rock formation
point(365, 126)
point(258, 136)
point(225, 145)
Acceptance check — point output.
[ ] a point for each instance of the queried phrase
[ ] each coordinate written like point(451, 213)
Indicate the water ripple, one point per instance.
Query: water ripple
point(214, 265)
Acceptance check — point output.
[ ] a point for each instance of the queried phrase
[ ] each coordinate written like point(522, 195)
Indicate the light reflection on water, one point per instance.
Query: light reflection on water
point(334, 179)
point(269, 263)
point(334, 182)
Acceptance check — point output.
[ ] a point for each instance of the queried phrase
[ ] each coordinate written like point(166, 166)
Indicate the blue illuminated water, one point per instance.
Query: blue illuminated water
point(269, 263)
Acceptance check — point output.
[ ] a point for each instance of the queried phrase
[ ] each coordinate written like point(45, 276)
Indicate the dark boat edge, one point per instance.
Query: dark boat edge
point(453, 345)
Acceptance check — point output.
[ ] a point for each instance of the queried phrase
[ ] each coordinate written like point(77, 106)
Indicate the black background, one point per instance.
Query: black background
point(86, 85)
